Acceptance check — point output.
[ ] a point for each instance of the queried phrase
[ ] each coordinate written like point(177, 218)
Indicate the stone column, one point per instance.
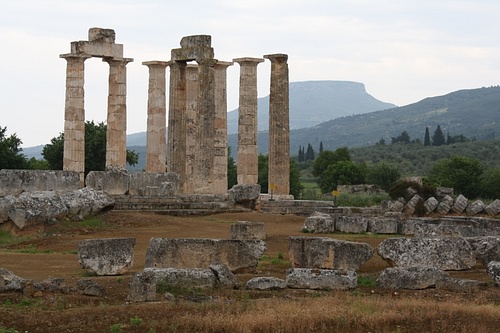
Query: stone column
point(220, 127)
point(74, 115)
point(176, 156)
point(156, 146)
point(247, 121)
point(191, 125)
point(116, 134)
point(279, 127)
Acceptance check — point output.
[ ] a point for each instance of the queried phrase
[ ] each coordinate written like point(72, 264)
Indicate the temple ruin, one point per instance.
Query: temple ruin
point(196, 147)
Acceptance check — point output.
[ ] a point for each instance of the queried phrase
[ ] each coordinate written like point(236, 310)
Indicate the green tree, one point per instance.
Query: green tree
point(232, 171)
point(383, 175)
point(296, 187)
point(438, 137)
point(95, 149)
point(427, 137)
point(328, 157)
point(263, 178)
point(342, 173)
point(461, 173)
point(321, 147)
point(309, 153)
point(404, 137)
point(10, 151)
point(490, 184)
point(263, 173)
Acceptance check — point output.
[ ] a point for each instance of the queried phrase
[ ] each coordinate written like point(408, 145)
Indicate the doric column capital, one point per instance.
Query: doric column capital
point(248, 60)
point(158, 63)
point(117, 61)
point(277, 57)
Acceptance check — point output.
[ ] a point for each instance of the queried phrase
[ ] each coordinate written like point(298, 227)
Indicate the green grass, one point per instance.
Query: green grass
point(8, 330)
point(31, 249)
point(135, 321)
point(7, 238)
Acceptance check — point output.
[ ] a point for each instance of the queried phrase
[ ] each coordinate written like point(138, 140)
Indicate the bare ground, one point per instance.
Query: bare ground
point(50, 251)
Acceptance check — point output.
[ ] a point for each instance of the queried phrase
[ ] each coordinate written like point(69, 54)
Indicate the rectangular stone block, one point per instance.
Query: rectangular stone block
point(15, 182)
point(110, 182)
point(351, 224)
point(143, 183)
point(248, 230)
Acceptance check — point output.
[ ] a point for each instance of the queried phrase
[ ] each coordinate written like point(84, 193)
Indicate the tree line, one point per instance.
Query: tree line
point(438, 138)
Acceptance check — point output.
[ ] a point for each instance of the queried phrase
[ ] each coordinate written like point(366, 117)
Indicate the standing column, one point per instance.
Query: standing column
point(204, 163)
point(74, 115)
point(116, 134)
point(176, 156)
point(220, 127)
point(156, 146)
point(191, 125)
point(248, 169)
point(279, 127)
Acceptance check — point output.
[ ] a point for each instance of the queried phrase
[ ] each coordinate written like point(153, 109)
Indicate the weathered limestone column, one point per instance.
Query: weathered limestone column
point(156, 146)
point(279, 127)
point(203, 165)
point(191, 125)
point(74, 115)
point(176, 157)
point(116, 135)
point(220, 127)
point(247, 121)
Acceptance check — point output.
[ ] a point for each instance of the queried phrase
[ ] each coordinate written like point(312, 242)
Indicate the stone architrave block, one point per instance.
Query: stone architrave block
point(319, 222)
point(248, 230)
point(111, 182)
point(237, 255)
point(10, 281)
point(320, 279)
point(87, 201)
point(441, 253)
point(493, 270)
point(475, 208)
point(411, 205)
point(411, 277)
point(382, 225)
point(111, 256)
point(493, 208)
point(430, 205)
point(351, 224)
point(143, 183)
point(444, 205)
point(328, 253)
point(265, 283)
point(486, 249)
point(15, 182)
point(460, 204)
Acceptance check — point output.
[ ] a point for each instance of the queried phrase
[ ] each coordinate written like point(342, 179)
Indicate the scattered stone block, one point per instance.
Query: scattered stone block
point(245, 194)
point(351, 224)
point(430, 205)
point(328, 253)
point(225, 278)
point(442, 192)
point(411, 277)
point(460, 285)
point(320, 279)
point(87, 201)
point(142, 287)
point(10, 281)
point(486, 249)
point(248, 230)
point(475, 208)
point(396, 205)
point(382, 225)
point(52, 284)
point(445, 205)
point(411, 205)
point(237, 255)
point(319, 222)
point(441, 253)
point(493, 270)
point(112, 256)
point(265, 283)
point(89, 288)
point(460, 204)
point(493, 208)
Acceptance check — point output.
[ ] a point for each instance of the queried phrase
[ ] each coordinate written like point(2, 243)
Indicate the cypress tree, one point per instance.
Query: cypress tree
point(427, 137)
point(438, 137)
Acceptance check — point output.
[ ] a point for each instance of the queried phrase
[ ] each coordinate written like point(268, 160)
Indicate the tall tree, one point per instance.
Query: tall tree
point(95, 149)
point(328, 157)
point(427, 137)
point(404, 137)
point(438, 137)
point(232, 171)
point(309, 153)
point(320, 147)
point(10, 151)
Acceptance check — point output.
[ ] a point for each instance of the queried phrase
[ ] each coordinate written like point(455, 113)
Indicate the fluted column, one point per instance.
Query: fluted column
point(116, 134)
point(279, 127)
point(156, 140)
point(176, 157)
point(204, 163)
point(191, 125)
point(220, 126)
point(247, 121)
point(74, 115)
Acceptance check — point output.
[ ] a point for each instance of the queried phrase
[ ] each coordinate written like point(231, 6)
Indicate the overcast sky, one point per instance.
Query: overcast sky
point(402, 50)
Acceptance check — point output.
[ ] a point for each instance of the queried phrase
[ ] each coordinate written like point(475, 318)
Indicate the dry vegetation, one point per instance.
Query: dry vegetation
point(50, 252)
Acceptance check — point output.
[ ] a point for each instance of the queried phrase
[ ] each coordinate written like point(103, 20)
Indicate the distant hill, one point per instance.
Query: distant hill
point(314, 102)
